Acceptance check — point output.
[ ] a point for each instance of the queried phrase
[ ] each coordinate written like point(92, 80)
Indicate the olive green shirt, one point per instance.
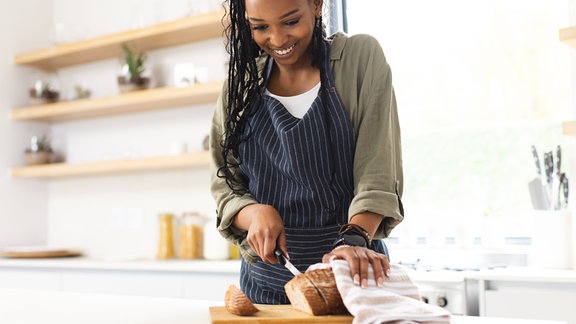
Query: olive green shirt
point(364, 82)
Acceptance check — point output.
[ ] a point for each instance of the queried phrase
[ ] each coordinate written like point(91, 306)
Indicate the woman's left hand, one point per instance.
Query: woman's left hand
point(358, 259)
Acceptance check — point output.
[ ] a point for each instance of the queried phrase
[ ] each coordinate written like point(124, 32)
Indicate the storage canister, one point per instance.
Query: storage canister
point(190, 243)
point(165, 236)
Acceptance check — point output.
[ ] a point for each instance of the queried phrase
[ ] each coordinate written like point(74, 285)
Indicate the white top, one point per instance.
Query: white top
point(298, 105)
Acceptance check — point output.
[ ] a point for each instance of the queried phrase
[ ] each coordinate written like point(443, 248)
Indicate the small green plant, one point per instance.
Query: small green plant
point(131, 74)
point(134, 62)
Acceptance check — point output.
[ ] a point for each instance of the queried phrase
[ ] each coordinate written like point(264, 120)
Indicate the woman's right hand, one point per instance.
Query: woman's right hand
point(265, 230)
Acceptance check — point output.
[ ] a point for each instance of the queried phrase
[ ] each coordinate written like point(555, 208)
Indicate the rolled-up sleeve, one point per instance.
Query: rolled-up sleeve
point(371, 102)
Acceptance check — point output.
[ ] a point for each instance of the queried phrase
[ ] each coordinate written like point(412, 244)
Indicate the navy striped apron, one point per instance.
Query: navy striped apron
point(302, 167)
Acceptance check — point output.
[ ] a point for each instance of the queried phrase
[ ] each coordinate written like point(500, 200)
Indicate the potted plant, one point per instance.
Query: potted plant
point(43, 92)
point(132, 71)
point(39, 151)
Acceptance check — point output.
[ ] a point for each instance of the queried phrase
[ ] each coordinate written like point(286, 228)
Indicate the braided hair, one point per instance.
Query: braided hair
point(244, 87)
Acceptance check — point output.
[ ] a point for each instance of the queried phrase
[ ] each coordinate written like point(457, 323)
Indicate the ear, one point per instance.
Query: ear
point(318, 7)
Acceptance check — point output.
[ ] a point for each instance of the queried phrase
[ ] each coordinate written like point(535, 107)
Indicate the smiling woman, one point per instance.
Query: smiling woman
point(478, 83)
point(305, 182)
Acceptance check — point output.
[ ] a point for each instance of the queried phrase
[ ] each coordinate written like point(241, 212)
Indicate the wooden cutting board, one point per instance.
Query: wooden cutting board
point(277, 314)
point(39, 254)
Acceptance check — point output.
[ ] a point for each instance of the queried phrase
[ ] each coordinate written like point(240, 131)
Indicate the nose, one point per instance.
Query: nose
point(278, 38)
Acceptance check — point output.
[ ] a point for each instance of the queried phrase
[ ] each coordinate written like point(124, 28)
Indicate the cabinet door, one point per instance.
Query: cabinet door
point(123, 283)
point(208, 286)
point(29, 279)
point(531, 304)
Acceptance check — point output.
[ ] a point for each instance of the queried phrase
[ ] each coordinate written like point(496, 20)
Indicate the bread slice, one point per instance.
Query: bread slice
point(238, 303)
point(315, 293)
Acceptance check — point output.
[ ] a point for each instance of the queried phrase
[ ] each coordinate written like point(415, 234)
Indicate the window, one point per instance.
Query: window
point(477, 83)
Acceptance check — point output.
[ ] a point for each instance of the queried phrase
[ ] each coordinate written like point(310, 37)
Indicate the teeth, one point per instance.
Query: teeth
point(284, 51)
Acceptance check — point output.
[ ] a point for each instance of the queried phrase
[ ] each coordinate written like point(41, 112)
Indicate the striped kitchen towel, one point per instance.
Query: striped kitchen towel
point(398, 302)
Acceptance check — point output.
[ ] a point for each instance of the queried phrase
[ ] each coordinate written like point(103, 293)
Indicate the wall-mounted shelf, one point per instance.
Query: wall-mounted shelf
point(159, 98)
point(62, 170)
point(569, 128)
point(568, 36)
point(177, 32)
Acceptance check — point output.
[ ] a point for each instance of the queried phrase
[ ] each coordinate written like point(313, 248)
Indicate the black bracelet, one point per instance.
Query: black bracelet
point(357, 229)
point(353, 235)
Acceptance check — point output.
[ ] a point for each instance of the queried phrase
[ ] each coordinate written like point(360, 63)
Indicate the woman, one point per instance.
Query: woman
point(305, 145)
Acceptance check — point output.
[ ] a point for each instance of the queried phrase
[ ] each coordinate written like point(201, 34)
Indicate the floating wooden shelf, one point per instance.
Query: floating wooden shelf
point(61, 170)
point(159, 98)
point(177, 32)
point(569, 128)
point(568, 36)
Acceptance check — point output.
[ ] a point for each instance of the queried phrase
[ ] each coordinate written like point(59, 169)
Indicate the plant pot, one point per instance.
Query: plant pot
point(39, 157)
point(133, 84)
point(44, 97)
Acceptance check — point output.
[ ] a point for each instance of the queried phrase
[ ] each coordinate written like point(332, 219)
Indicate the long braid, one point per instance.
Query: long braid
point(243, 91)
point(244, 87)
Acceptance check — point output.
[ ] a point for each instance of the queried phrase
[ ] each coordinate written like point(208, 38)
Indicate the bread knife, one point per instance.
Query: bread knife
point(283, 261)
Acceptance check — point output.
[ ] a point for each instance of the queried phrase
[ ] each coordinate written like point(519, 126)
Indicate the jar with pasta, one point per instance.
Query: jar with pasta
point(165, 236)
point(190, 238)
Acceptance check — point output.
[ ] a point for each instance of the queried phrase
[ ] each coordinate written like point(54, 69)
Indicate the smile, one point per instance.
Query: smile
point(284, 51)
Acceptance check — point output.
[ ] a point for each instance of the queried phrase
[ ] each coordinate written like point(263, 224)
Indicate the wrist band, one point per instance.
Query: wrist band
point(352, 235)
point(355, 228)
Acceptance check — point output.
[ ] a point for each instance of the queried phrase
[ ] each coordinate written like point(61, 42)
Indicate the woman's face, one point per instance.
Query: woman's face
point(284, 28)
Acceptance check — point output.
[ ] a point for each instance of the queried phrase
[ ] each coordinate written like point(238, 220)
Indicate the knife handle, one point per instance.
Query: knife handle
point(536, 160)
point(558, 159)
point(281, 258)
point(565, 188)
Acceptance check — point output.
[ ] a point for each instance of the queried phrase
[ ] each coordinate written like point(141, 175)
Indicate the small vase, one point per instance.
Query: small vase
point(39, 157)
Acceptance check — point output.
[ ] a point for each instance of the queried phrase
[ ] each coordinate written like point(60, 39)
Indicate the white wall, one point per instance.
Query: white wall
point(23, 204)
point(114, 216)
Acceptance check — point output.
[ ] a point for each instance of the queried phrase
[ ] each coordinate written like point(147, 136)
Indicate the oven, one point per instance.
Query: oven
point(449, 289)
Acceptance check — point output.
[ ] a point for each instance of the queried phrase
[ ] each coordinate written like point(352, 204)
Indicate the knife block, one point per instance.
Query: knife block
point(552, 245)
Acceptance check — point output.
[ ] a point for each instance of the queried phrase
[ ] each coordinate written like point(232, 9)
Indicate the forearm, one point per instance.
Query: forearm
point(243, 219)
point(368, 221)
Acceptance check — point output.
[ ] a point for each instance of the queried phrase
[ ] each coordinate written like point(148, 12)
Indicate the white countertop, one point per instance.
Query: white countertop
point(525, 274)
point(33, 307)
point(173, 265)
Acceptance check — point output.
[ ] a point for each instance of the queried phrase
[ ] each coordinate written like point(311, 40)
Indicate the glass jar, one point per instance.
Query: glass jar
point(165, 236)
point(234, 252)
point(190, 244)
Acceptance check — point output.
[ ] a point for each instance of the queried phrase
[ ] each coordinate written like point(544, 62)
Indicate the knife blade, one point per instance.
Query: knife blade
point(285, 262)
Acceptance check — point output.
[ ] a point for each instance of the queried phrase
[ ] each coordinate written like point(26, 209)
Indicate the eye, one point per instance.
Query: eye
point(259, 27)
point(292, 22)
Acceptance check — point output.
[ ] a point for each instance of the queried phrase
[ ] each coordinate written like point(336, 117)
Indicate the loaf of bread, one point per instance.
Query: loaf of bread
point(238, 303)
point(315, 292)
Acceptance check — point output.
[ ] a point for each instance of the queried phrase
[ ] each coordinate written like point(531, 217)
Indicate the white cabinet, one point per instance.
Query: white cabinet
point(528, 294)
point(122, 283)
point(29, 279)
point(200, 280)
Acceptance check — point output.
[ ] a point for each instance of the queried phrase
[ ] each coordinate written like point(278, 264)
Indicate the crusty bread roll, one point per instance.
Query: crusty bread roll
point(315, 293)
point(237, 302)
